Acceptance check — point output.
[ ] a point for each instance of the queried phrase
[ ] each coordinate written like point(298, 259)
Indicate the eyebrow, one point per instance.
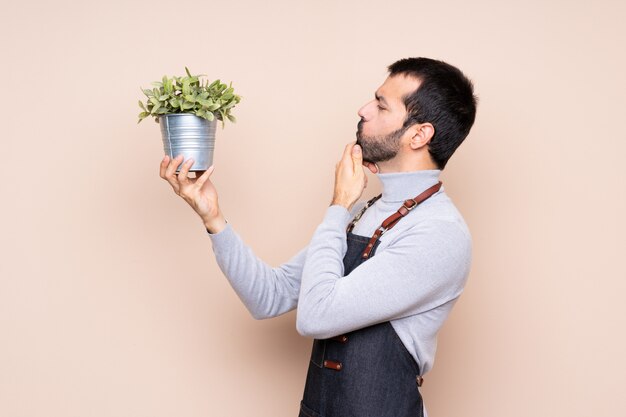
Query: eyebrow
point(381, 98)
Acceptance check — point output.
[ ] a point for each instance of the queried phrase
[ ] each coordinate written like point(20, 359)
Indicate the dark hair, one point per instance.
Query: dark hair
point(445, 98)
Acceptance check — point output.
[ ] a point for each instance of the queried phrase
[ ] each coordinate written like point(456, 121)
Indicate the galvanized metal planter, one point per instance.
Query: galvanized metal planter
point(189, 135)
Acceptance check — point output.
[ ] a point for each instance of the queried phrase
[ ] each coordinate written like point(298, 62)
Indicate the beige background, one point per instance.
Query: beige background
point(111, 302)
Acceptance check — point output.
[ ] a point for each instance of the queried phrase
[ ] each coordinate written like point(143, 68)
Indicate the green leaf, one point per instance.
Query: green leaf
point(231, 118)
point(187, 70)
point(167, 86)
point(210, 117)
point(141, 105)
point(148, 92)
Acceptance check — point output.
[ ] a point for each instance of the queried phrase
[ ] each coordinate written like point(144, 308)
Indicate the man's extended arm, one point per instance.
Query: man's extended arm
point(265, 291)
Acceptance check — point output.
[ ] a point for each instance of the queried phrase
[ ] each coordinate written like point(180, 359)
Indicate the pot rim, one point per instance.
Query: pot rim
point(183, 114)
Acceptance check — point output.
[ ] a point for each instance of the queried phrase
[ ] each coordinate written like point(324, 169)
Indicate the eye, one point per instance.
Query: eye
point(380, 108)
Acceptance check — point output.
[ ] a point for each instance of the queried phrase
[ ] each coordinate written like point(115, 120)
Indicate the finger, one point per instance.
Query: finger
point(205, 176)
point(171, 168)
point(357, 156)
point(169, 173)
point(372, 167)
point(347, 151)
point(163, 166)
point(183, 174)
point(346, 158)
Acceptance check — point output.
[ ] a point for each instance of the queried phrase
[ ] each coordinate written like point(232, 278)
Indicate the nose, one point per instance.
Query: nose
point(363, 112)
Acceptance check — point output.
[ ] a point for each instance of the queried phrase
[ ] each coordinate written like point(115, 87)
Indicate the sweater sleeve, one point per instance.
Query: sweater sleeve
point(424, 267)
point(266, 291)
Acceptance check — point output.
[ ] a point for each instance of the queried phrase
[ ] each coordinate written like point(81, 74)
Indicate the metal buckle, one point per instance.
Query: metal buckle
point(412, 207)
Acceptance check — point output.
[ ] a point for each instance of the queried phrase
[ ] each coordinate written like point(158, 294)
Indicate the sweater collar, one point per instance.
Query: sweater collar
point(400, 186)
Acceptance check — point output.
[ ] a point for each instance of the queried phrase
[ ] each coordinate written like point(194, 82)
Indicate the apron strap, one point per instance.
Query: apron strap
point(392, 220)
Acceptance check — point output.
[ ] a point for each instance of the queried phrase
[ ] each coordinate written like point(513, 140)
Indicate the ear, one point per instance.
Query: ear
point(421, 133)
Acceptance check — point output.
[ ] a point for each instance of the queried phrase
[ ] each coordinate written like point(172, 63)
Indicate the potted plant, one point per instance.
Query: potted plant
point(187, 109)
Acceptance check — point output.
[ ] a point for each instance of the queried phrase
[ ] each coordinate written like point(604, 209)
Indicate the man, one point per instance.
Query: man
point(372, 292)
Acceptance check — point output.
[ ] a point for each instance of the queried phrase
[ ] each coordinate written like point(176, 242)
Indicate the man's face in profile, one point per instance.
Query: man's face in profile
point(379, 132)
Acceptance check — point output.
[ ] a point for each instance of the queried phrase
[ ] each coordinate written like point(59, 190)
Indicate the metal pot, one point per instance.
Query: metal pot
point(189, 135)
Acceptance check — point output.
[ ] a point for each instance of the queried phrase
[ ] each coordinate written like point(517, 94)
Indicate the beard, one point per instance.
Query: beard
point(379, 148)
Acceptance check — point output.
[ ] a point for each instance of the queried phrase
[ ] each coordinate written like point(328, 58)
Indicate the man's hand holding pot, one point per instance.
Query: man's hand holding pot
point(199, 192)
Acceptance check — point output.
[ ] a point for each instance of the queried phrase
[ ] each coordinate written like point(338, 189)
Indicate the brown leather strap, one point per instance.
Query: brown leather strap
point(336, 365)
point(392, 220)
point(360, 213)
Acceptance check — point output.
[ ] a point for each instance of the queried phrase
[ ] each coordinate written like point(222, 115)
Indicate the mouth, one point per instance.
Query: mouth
point(359, 129)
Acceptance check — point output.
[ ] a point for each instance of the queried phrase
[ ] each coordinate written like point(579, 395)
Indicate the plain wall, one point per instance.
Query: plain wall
point(111, 302)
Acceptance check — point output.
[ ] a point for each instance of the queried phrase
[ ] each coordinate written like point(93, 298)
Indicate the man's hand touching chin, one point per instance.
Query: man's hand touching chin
point(350, 178)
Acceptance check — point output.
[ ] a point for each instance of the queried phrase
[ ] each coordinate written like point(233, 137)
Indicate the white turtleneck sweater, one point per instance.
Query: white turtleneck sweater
point(413, 280)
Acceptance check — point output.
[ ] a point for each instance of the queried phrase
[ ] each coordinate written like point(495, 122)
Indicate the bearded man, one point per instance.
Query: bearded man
point(378, 278)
